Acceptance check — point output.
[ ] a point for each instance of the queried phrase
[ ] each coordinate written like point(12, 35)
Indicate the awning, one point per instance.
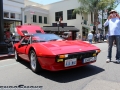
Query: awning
point(86, 27)
point(60, 29)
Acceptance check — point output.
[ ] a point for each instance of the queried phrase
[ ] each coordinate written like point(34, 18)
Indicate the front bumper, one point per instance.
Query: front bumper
point(51, 64)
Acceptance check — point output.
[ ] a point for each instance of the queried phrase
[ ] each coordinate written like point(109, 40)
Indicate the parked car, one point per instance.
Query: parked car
point(51, 52)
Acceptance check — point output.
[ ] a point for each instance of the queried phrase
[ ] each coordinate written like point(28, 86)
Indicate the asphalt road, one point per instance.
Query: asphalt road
point(97, 76)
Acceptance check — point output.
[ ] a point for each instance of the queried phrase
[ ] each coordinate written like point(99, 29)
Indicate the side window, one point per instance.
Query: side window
point(26, 40)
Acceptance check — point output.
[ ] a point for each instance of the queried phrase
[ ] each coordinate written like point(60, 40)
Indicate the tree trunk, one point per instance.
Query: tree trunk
point(96, 20)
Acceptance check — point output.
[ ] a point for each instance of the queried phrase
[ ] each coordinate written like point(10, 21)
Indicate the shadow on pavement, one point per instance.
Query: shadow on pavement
point(68, 75)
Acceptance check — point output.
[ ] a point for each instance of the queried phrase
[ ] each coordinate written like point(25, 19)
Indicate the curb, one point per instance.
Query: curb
point(6, 56)
point(95, 43)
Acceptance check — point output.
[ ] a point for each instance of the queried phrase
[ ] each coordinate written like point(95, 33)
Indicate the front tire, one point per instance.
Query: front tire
point(35, 66)
point(17, 58)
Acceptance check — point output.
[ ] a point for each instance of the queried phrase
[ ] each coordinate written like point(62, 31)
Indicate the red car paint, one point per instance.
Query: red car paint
point(47, 51)
point(31, 29)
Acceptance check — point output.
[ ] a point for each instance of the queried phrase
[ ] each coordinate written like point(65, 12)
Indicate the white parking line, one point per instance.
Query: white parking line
point(9, 65)
point(6, 60)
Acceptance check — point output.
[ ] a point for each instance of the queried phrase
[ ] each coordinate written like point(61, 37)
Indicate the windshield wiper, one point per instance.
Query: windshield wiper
point(42, 41)
point(53, 39)
point(56, 40)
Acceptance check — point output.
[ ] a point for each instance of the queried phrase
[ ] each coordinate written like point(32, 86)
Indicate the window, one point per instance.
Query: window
point(70, 14)
point(58, 15)
point(45, 20)
point(6, 14)
point(18, 16)
point(26, 40)
point(12, 15)
point(25, 20)
point(40, 19)
point(34, 18)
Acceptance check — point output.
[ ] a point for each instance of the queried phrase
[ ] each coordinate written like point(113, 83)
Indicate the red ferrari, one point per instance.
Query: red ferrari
point(51, 52)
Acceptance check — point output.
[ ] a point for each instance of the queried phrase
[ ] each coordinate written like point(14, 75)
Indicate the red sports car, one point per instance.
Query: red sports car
point(51, 52)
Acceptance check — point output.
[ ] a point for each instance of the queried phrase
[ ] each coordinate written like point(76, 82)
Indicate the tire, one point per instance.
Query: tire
point(17, 58)
point(34, 64)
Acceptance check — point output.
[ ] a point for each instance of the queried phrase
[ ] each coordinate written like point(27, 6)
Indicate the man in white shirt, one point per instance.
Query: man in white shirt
point(90, 37)
point(113, 22)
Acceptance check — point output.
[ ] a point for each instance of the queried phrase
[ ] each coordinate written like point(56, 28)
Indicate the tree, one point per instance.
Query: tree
point(113, 5)
point(88, 6)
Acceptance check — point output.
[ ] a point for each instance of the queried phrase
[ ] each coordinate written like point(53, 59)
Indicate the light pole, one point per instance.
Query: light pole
point(3, 46)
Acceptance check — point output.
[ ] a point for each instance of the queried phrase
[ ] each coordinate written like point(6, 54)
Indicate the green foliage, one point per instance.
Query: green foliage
point(113, 5)
point(87, 6)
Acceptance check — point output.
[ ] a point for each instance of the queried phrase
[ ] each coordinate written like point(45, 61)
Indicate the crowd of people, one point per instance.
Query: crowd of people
point(112, 37)
point(9, 39)
point(97, 37)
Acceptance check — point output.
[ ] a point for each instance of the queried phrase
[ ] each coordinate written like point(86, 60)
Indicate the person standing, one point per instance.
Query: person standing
point(90, 37)
point(113, 22)
point(79, 36)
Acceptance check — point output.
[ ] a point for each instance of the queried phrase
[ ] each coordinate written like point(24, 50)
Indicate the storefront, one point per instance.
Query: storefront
point(69, 31)
point(11, 16)
point(11, 24)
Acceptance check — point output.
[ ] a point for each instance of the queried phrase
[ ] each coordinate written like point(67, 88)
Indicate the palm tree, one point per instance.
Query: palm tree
point(92, 6)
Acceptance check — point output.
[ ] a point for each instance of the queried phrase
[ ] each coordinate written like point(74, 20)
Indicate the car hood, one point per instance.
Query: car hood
point(28, 29)
point(62, 47)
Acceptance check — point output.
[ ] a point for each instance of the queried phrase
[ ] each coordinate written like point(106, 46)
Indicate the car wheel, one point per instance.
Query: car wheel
point(17, 58)
point(35, 66)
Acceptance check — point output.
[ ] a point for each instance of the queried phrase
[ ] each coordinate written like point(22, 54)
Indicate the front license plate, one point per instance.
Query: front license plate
point(70, 62)
point(90, 59)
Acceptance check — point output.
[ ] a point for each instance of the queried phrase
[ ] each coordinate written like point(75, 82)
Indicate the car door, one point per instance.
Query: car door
point(22, 48)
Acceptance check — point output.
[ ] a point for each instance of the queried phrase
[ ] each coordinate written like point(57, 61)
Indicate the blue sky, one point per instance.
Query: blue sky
point(45, 1)
point(118, 8)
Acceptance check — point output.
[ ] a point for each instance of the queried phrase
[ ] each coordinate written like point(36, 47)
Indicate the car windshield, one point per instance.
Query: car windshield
point(45, 37)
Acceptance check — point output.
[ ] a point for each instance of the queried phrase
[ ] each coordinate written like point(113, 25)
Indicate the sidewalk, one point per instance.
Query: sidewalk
point(95, 43)
point(6, 56)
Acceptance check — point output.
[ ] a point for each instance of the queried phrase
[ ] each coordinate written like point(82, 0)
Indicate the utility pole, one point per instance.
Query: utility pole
point(3, 46)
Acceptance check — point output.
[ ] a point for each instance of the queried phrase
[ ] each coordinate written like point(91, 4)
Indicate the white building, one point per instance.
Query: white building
point(34, 14)
point(49, 14)
point(12, 13)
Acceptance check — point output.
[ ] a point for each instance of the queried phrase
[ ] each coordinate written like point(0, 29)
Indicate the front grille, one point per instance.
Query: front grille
point(81, 55)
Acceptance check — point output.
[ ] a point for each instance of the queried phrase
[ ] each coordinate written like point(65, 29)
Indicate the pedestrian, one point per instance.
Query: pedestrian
point(113, 22)
point(79, 36)
point(95, 38)
point(98, 37)
point(90, 37)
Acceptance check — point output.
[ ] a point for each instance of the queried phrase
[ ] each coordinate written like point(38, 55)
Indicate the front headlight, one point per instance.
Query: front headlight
point(63, 56)
point(98, 51)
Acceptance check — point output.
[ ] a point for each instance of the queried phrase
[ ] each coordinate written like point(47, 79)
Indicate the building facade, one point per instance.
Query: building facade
point(56, 10)
point(35, 14)
point(12, 13)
